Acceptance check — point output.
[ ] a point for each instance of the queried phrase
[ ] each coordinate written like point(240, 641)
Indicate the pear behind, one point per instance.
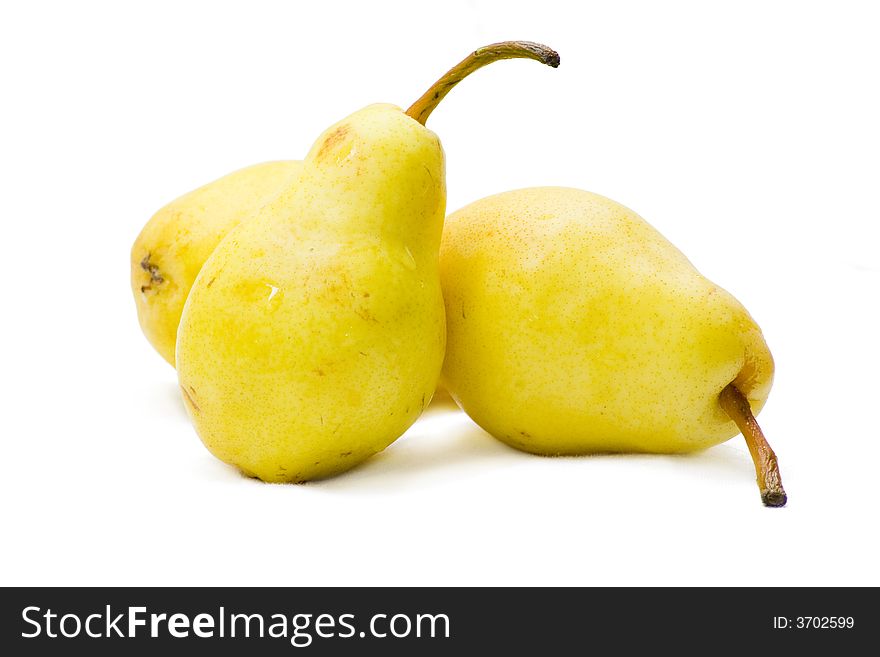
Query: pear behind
point(174, 244)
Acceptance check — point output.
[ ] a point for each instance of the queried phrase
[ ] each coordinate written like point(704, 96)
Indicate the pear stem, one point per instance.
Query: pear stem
point(422, 108)
point(737, 407)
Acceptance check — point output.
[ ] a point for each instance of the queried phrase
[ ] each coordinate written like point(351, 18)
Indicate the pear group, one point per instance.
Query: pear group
point(310, 306)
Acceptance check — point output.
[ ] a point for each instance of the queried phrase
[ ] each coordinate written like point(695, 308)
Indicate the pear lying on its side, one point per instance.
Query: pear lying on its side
point(176, 241)
point(574, 327)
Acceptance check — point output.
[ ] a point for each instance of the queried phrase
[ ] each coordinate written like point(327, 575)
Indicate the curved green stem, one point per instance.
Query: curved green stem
point(737, 407)
point(422, 108)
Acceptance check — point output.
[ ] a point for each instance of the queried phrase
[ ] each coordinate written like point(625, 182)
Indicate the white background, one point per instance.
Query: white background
point(746, 132)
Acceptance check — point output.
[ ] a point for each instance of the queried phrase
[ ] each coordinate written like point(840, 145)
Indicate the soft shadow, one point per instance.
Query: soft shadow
point(427, 454)
point(214, 470)
point(449, 442)
point(442, 401)
point(721, 461)
point(168, 399)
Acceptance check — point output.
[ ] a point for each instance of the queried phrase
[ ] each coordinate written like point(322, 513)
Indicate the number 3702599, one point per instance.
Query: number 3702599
point(814, 622)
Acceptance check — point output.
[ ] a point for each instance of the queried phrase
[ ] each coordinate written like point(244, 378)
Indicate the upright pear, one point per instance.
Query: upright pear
point(574, 327)
point(176, 241)
point(314, 333)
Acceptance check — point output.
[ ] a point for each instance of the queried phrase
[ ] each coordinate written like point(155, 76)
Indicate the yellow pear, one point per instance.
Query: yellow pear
point(574, 327)
point(173, 246)
point(314, 334)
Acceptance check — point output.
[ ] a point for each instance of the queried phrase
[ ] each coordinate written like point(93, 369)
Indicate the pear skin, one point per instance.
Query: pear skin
point(574, 327)
point(176, 241)
point(314, 334)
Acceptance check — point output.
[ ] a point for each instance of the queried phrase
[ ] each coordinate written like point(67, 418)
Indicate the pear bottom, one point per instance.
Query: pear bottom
point(297, 364)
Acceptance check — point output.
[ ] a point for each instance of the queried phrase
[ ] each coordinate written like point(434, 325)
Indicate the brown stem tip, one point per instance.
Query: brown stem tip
point(422, 108)
point(737, 407)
